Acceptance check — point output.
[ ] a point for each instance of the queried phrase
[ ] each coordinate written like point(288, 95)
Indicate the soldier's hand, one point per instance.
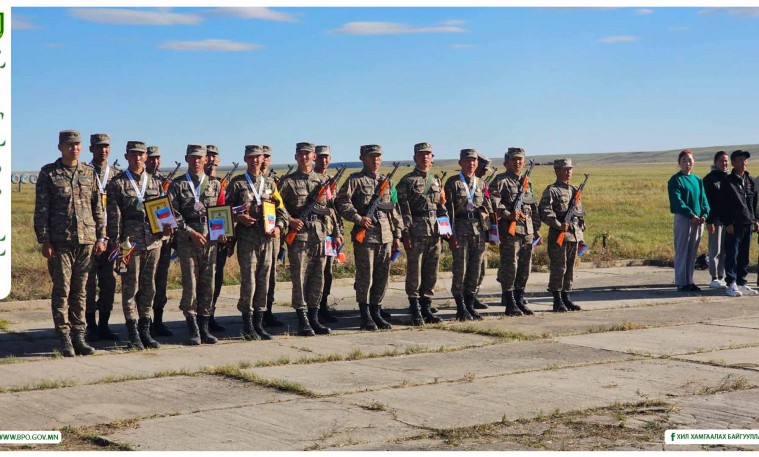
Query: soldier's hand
point(729, 229)
point(274, 233)
point(406, 242)
point(711, 228)
point(296, 224)
point(198, 240)
point(245, 220)
point(99, 248)
point(564, 227)
point(47, 250)
point(168, 230)
point(222, 239)
point(396, 245)
point(366, 222)
point(338, 242)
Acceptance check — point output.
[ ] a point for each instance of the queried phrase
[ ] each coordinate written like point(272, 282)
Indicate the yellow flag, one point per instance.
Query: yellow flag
point(275, 195)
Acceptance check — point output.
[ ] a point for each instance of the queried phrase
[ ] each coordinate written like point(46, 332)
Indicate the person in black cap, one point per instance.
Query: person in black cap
point(736, 210)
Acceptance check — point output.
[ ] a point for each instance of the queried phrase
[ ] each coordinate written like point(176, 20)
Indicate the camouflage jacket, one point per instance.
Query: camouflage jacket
point(331, 204)
point(160, 179)
point(503, 193)
point(294, 190)
point(102, 177)
point(553, 208)
point(419, 203)
point(68, 207)
point(239, 193)
point(474, 222)
point(182, 201)
point(353, 199)
point(126, 217)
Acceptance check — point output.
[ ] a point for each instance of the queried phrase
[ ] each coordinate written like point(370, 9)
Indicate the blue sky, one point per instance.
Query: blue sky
point(551, 80)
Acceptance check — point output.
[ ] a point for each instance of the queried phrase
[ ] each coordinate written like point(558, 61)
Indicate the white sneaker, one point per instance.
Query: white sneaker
point(734, 291)
point(747, 291)
point(717, 284)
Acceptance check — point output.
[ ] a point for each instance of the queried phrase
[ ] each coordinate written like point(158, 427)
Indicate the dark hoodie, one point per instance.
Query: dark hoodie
point(711, 187)
point(736, 200)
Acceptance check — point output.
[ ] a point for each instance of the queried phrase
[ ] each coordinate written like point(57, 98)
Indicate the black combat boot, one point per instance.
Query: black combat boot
point(316, 326)
point(558, 305)
point(304, 327)
point(214, 326)
point(510, 304)
point(367, 323)
point(461, 312)
point(133, 333)
point(477, 304)
point(157, 327)
point(205, 334)
point(521, 302)
point(80, 346)
point(375, 312)
point(325, 314)
point(258, 325)
point(66, 348)
point(416, 312)
point(469, 304)
point(247, 328)
point(104, 332)
point(429, 318)
point(143, 327)
point(193, 330)
point(569, 303)
point(270, 320)
point(92, 330)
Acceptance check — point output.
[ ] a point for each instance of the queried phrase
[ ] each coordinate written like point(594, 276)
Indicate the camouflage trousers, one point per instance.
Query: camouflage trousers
point(467, 262)
point(275, 247)
point(254, 257)
point(222, 253)
point(68, 270)
point(327, 278)
point(162, 275)
point(198, 267)
point(372, 271)
point(101, 276)
point(562, 264)
point(307, 262)
point(516, 261)
point(483, 269)
point(422, 266)
point(138, 284)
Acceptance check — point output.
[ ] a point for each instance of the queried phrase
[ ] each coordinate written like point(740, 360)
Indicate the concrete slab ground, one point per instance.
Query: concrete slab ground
point(747, 358)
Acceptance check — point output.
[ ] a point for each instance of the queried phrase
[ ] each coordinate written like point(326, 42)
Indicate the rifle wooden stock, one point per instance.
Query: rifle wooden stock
point(571, 210)
point(321, 192)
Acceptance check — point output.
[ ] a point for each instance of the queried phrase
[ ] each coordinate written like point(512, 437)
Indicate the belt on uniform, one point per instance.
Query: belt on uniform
point(314, 217)
point(429, 214)
point(468, 215)
point(196, 220)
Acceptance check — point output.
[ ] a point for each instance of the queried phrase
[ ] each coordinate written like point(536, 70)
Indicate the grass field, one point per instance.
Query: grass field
point(627, 203)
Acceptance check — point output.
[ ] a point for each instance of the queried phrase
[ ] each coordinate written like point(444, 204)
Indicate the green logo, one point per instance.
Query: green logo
point(2, 23)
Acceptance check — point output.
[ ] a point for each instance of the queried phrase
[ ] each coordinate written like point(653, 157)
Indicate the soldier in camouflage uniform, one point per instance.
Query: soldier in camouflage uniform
point(127, 193)
point(381, 241)
point(254, 246)
point(306, 253)
point(323, 159)
point(515, 250)
point(157, 327)
point(101, 275)
point(68, 221)
point(467, 203)
point(553, 207)
point(224, 250)
point(190, 195)
point(483, 168)
point(420, 206)
point(269, 319)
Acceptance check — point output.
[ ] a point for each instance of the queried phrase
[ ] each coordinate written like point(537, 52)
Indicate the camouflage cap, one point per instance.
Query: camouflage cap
point(562, 163)
point(323, 150)
point(154, 151)
point(305, 147)
point(253, 150)
point(138, 146)
point(369, 149)
point(483, 160)
point(99, 138)
point(266, 149)
point(69, 136)
point(212, 149)
point(196, 150)
point(467, 153)
point(514, 152)
point(422, 147)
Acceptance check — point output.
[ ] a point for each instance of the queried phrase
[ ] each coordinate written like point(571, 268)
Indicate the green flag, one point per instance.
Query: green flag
point(393, 194)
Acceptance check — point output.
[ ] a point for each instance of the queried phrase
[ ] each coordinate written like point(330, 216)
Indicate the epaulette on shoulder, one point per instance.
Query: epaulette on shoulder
point(87, 165)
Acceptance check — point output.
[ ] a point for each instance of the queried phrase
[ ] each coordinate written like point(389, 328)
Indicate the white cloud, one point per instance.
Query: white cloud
point(643, 12)
point(392, 28)
point(453, 22)
point(210, 45)
point(461, 46)
point(619, 39)
point(742, 12)
point(22, 24)
point(265, 14)
point(135, 17)
point(678, 28)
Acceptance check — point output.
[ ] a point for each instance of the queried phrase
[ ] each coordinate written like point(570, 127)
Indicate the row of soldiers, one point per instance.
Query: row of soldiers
point(77, 236)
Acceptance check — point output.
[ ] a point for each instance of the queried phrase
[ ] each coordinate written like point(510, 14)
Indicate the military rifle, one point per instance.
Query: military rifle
point(170, 177)
point(312, 205)
point(116, 165)
point(375, 203)
point(222, 199)
point(572, 211)
point(524, 185)
point(492, 175)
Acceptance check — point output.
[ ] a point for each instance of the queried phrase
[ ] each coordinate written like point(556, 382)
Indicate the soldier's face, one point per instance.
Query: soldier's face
point(372, 162)
point(563, 174)
point(70, 151)
point(515, 164)
point(100, 152)
point(195, 163)
point(136, 160)
point(153, 163)
point(468, 165)
point(423, 160)
point(322, 161)
point(304, 159)
point(254, 163)
point(265, 162)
